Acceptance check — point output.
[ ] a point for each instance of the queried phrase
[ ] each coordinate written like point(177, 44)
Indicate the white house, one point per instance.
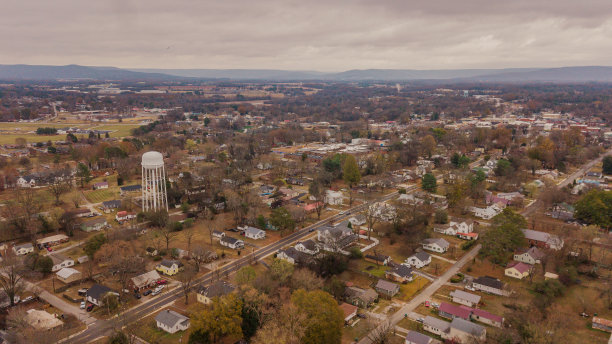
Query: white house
point(96, 294)
point(418, 260)
point(465, 298)
point(436, 245)
point(290, 255)
point(23, 249)
point(333, 197)
point(308, 247)
point(455, 226)
point(488, 212)
point(124, 216)
point(218, 234)
point(171, 321)
point(60, 261)
point(232, 243)
point(26, 182)
point(254, 233)
point(532, 255)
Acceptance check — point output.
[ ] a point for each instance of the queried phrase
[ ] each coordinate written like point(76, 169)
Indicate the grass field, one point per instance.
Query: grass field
point(24, 130)
point(408, 290)
point(97, 196)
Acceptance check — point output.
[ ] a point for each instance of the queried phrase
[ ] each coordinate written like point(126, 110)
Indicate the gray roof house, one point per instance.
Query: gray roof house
point(414, 337)
point(435, 325)
point(464, 298)
point(386, 288)
point(171, 321)
point(436, 245)
point(465, 330)
point(217, 289)
point(96, 294)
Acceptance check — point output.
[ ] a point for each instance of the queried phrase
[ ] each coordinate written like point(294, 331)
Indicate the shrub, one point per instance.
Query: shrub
point(468, 244)
point(356, 253)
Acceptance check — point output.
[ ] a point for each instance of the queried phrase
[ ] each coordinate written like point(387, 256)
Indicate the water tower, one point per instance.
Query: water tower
point(154, 195)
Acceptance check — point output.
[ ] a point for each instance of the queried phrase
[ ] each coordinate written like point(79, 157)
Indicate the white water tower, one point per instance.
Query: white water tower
point(154, 196)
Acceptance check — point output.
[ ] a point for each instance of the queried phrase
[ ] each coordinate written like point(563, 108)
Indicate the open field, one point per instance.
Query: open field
point(11, 131)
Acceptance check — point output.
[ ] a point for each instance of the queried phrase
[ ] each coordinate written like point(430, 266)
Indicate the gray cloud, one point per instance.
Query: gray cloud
point(313, 35)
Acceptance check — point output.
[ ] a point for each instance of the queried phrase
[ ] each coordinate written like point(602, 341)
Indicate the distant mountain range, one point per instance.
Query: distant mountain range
point(510, 75)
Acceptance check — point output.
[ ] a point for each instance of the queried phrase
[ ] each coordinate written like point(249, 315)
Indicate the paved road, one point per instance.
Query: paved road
point(429, 291)
point(102, 328)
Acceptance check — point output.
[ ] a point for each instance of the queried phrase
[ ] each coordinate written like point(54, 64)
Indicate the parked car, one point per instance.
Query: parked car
point(137, 295)
point(83, 305)
point(49, 249)
point(583, 314)
point(82, 292)
point(155, 292)
point(162, 282)
point(426, 303)
point(311, 230)
point(147, 292)
point(421, 320)
point(28, 299)
point(361, 315)
point(470, 288)
point(90, 308)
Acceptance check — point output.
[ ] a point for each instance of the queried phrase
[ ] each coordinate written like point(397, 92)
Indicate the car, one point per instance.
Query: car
point(49, 249)
point(83, 305)
point(435, 305)
point(28, 299)
point(147, 292)
point(232, 230)
point(470, 288)
point(342, 212)
point(90, 307)
point(137, 295)
point(155, 292)
point(82, 292)
point(361, 315)
point(161, 282)
point(159, 288)
point(421, 320)
point(583, 314)
point(426, 303)
point(311, 230)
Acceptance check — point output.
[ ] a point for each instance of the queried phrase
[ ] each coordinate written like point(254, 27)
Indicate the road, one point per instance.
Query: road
point(429, 291)
point(102, 328)
point(570, 179)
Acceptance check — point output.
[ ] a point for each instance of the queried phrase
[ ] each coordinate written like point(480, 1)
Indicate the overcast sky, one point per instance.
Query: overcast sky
point(324, 35)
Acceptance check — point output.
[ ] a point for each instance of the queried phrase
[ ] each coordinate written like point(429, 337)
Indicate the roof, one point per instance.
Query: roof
point(347, 309)
point(131, 187)
point(169, 263)
point(97, 291)
point(417, 338)
point(253, 230)
point(309, 245)
point(292, 253)
point(602, 321)
point(386, 285)
point(363, 294)
point(422, 256)
point(230, 240)
point(467, 327)
point(52, 238)
point(217, 289)
point(145, 279)
point(94, 221)
point(170, 318)
point(436, 323)
point(465, 296)
point(26, 245)
point(114, 203)
point(489, 282)
point(402, 271)
point(42, 320)
point(539, 236)
point(58, 258)
point(67, 272)
point(456, 311)
point(519, 266)
point(484, 314)
point(439, 241)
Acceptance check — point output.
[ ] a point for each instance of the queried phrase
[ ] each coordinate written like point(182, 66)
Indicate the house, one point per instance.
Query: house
point(488, 212)
point(288, 193)
point(232, 243)
point(378, 259)
point(151, 251)
point(489, 284)
point(42, 320)
point(464, 298)
point(333, 197)
point(107, 206)
point(450, 311)
point(357, 220)
point(218, 234)
point(349, 311)
point(335, 238)
point(51, 241)
point(130, 189)
point(124, 216)
point(68, 275)
point(530, 256)
point(455, 226)
point(100, 185)
point(96, 294)
point(169, 267)
point(143, 281)
point(436, 245)
point(465, 331)
point(414, 337)
point(23, 249)
point(436, 326)
point(487, 318)
point(312, 207)
point(291, 255)
point(468, 236)
point(254, 233)
point(386, 288)
point(60, 261)
point(602, 324)
point(171, 321)
point(518, 270)
point(360, 297)
point(418, 260)
point(26, 182)
point(308, 247)
point(96, 224)
point(218, 289)
point(401, 273)
point(81, 212)
point(563, 211)
point(543, 239)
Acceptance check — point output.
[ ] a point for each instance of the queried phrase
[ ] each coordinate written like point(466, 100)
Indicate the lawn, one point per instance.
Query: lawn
point(101, 195)
point(408, 290)
point(147, 330)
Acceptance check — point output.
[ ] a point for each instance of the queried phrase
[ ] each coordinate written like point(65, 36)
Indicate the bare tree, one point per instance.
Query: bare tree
point(381, 331)
point(10, 280)
point(370, 213)
point(186, 278)
point(59, 187)
point(168, 234)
